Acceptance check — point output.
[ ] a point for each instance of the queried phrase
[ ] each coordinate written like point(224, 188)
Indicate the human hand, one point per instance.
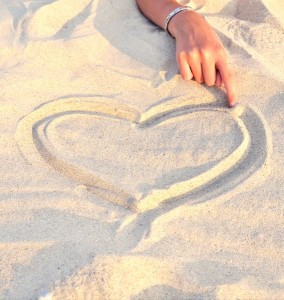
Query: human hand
point(200, 53)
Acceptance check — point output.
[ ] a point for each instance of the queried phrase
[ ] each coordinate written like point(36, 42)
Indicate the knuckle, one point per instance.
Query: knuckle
point(194, 53)
point(179, 56)
point(211, 52)
point(182, 56)
point(207, 53)
point(182, 53)
point(220, 51)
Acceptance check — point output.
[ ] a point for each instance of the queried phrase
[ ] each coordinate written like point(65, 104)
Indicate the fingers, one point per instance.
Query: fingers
point(209, 72)
point(209, 69)
point(190, 67)
point(226, 77)
point(184, 67)
point(196, 68)
point(218, 82)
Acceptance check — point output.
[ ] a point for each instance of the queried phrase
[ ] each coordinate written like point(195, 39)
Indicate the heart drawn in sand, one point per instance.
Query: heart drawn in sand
point(38, 149)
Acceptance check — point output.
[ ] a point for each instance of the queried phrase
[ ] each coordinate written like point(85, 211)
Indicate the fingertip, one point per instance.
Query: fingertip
point(232, 101)
point(231, 94)
point(187, 77)
point(185, 71)
point(227, 80)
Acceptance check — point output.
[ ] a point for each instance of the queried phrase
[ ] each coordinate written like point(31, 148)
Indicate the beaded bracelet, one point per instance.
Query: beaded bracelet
point(172, 14)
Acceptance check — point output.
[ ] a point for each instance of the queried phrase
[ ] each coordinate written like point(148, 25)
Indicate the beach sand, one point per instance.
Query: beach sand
point(119, 180)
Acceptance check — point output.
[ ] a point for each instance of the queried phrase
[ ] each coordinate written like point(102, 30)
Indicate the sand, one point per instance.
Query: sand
point(119, 180)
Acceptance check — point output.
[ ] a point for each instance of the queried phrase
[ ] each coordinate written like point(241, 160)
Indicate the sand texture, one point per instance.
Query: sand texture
point(119, 180)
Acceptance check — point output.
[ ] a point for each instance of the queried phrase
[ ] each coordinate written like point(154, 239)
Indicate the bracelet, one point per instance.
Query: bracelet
point(172, 14)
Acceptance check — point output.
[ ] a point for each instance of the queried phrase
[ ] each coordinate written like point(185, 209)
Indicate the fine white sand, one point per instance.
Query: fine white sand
point(121, 181)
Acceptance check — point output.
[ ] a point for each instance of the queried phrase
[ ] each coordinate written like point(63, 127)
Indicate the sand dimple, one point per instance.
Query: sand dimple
point(38, 145)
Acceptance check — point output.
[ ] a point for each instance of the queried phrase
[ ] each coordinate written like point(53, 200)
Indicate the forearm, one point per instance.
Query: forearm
point(157, 10)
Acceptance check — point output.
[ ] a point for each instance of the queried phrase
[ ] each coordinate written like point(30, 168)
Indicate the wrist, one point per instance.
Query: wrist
point(183, 22)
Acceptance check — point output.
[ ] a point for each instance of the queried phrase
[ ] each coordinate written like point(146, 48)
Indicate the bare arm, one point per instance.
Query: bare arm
point(199, 52)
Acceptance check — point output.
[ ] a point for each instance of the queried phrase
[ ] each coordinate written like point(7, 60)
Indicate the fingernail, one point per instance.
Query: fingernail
point(232, 104)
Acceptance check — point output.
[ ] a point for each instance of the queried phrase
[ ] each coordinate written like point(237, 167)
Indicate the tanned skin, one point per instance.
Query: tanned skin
point(199, 52)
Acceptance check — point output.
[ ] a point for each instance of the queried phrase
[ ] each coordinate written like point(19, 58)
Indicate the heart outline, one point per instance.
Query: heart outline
point(35, 150)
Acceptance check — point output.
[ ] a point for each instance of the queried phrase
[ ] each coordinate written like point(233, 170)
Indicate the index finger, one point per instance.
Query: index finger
point(226, 76)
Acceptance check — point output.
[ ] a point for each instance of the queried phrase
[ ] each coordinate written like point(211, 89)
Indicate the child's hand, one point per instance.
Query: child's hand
point(200, 53)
